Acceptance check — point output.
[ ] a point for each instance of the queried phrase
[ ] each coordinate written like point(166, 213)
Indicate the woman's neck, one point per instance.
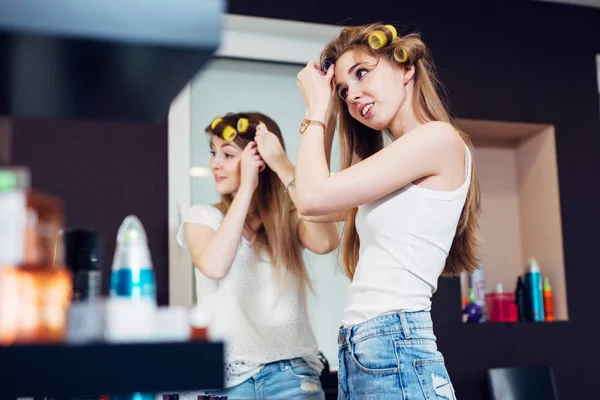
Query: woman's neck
point(405, 119)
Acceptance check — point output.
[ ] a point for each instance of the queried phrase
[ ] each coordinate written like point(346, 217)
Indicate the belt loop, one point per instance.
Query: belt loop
point(405, 326)
point(340, 337)
point(348, 336)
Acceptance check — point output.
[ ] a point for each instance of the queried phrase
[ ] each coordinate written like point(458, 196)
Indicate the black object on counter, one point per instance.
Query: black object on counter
point(82, 249)
point(520, 300)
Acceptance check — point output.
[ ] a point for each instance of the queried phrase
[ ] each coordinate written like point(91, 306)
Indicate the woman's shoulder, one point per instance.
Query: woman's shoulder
point(438, 134)
point(439, 129)
point(205, 207)
point(201, 212)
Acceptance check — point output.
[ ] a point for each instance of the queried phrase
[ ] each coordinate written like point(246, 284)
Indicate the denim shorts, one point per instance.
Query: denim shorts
point(289, 379)
point(393, 356)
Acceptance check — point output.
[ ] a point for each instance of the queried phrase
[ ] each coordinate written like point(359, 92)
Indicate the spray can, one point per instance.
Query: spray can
point(533, 279)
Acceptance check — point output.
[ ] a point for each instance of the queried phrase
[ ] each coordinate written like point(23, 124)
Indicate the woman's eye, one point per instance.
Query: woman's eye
point(343, 94)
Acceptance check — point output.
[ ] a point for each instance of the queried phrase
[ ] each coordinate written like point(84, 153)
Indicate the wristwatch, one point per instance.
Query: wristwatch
point(305, 123)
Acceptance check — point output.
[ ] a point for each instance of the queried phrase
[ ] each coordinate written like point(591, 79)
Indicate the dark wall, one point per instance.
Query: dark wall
point(103, 171)
point(519, 61)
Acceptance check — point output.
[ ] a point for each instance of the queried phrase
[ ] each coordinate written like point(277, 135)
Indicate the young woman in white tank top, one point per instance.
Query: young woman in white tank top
point(410, 208)
point(250, 247)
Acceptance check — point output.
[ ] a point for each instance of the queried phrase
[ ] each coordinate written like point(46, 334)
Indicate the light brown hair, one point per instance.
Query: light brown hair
point(276, 235)
point(358, 141)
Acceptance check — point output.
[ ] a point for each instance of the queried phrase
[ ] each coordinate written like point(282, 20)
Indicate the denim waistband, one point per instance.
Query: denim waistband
point(397, 322)
point(277, 366)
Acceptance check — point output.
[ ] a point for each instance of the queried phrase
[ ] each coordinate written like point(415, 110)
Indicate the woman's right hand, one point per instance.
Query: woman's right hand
point(251, 165)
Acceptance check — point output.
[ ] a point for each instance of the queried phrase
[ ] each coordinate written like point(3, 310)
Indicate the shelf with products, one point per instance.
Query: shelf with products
point(520, 218)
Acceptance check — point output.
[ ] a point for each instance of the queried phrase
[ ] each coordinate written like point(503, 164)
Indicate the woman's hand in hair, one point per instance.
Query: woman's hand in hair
point(251, 164)
point(270, 149)
point(316, 90)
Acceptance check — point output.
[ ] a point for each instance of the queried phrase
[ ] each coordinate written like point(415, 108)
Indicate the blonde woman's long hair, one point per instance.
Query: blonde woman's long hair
point(357, 141)
point(276, 235)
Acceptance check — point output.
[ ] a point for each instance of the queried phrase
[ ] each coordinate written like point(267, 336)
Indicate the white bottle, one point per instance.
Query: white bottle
point(132, 273)
point(132, 302)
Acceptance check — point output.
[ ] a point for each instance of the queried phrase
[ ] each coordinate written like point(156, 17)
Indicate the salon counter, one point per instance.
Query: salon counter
point(106, 369)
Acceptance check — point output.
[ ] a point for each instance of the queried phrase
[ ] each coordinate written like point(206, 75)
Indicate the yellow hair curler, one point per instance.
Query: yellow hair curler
point(392, 31)
point(229, 133)
point(379, 39)
point(242, 125)
point(400, 55)
point(215, 122)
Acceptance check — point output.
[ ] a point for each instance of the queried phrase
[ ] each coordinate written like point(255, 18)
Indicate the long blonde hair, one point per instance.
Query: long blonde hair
point(276, 234)
point(358, 141)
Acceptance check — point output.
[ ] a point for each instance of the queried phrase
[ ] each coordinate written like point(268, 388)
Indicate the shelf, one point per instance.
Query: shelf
point(522, 323)
point(517, 168)
point(92, 370)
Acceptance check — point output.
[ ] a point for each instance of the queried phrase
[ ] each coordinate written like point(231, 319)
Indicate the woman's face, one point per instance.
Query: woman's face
point(225, 165)
point(373, 89)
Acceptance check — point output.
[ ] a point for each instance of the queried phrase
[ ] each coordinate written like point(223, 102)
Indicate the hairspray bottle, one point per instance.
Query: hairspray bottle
point(132, 273)
point(132, 301)
point(533, 280)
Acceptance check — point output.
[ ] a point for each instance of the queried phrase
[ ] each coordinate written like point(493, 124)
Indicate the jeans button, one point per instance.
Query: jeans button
point(341, 337)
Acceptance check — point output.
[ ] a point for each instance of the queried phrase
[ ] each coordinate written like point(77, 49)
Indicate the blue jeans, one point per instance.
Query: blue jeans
point(289, 379)
point(393, 356)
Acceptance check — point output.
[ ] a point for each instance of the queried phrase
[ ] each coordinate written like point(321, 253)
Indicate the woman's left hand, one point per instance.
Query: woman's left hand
point(316, 89)
point(269, 148)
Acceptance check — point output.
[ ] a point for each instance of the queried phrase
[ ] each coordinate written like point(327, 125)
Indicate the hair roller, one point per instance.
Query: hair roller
point(242, 125)
point(247, 127)
point(381, 38)
point(401, 55)
point(326, 64)
point(228, 133)
point(215, 122)
point(392, 31)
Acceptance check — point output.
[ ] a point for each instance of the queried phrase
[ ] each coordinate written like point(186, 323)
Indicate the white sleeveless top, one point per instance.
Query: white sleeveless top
point(257, 324)
point(405, 238)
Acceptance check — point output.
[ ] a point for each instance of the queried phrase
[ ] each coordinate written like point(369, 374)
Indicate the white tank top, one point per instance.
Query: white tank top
point(405, 238)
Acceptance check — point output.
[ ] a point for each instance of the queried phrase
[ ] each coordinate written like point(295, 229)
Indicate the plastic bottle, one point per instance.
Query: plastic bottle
point(533, 278)
point(478, 284)
point(520, 300)
point(548, 301)
point(132, 274)
point(132, 300)
point(472, 310)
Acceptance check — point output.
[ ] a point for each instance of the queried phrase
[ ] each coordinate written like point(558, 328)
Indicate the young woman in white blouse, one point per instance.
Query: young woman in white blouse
point(410, 207)
point(251, 244)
